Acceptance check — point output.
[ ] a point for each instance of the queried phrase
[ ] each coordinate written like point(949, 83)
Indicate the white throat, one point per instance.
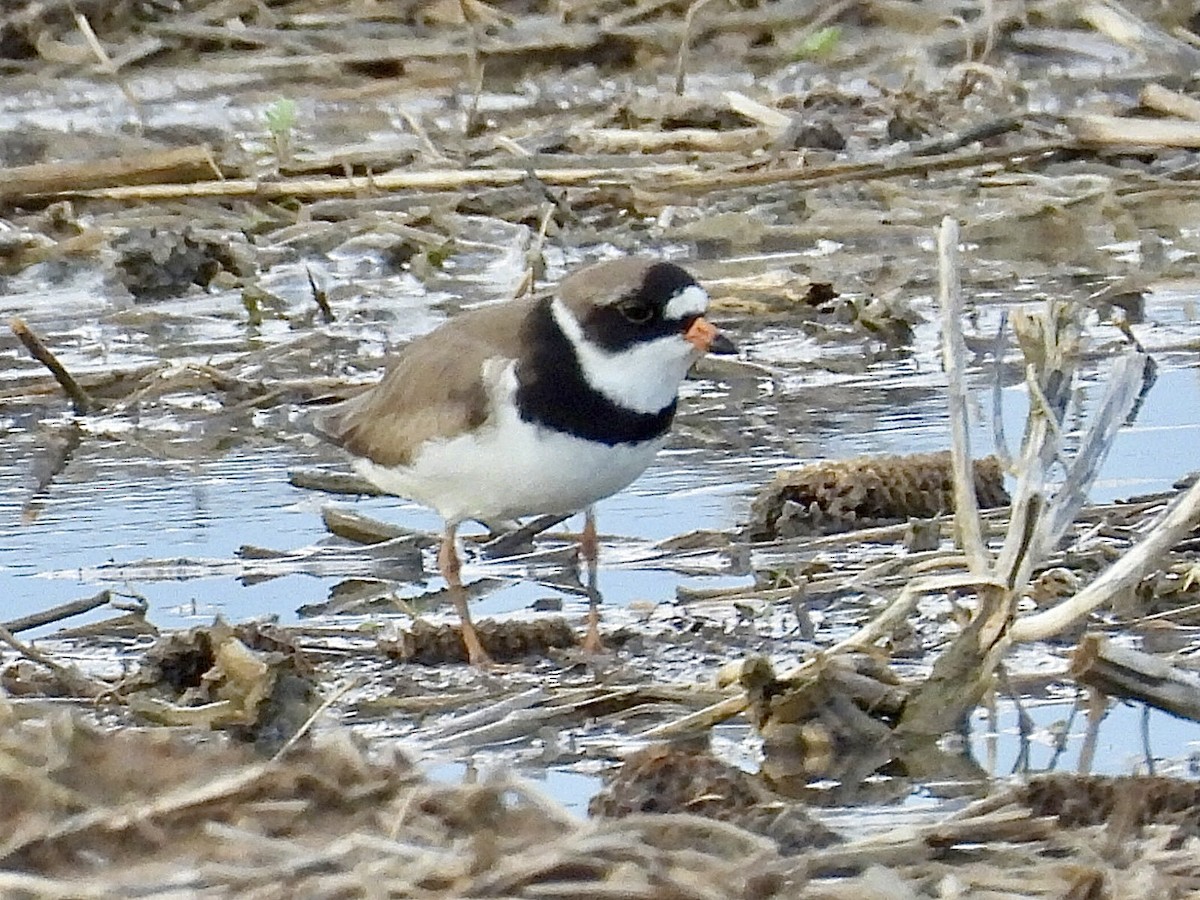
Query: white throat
point(644, 378)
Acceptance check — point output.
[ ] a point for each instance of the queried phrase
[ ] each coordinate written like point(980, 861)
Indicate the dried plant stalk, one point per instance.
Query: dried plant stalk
point(1182, 516)
point(134, 170)
point(1050, 341)
point(80, 400)
point(966, 519)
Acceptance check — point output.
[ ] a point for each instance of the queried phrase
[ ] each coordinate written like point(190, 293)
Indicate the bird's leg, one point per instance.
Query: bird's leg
point(589, 549)
point(451, 569)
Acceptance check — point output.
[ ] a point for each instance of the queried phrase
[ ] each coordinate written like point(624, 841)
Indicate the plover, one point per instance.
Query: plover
point(540, 405)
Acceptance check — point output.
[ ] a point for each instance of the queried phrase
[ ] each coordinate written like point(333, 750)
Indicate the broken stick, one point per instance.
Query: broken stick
point(80, 398)
point(1132, 675)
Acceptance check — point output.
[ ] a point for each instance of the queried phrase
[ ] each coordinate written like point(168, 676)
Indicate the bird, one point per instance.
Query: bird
point(540, 405)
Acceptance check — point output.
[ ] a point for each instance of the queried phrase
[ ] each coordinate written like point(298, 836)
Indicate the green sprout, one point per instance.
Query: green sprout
point(280, 117)
point(819, 44)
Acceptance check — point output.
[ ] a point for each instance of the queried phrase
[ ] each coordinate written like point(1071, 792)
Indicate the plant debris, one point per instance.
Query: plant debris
point(843, 495)
point(509, 641)
point(679, 779)
point(289, 190)
point(250, 679)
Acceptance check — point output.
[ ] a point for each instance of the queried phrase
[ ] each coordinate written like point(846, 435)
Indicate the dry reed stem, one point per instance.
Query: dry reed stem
point(1114, 131)
point(685, 42)
point(1123, 387)
point(1050, 342)
point(85, 181)
point(1133, 675)
point(882, 624)
point(702, 140)
point(767, 117)
point(842, 173)
point(334, 696)
point(954, 351)
point(1173, 103)
point(442, 180)
point(107, 65)
point(1126, 27)
point(1175, 524)
point(178, 167)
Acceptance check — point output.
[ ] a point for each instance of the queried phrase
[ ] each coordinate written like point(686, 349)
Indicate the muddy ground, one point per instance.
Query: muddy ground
point(213, 213)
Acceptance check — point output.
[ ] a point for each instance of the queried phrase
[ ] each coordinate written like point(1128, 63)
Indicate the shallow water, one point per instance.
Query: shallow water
point(115, 518)
point(159, 505)
point(147, 508)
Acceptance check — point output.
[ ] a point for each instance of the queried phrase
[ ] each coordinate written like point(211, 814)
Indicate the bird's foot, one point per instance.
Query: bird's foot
point(476, 655)
point(592, 642)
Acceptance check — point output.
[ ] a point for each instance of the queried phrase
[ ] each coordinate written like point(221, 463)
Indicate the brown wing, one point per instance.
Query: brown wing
point(434, 388)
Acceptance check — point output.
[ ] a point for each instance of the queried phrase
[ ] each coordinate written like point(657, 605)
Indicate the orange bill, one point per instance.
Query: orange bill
point(704, 336)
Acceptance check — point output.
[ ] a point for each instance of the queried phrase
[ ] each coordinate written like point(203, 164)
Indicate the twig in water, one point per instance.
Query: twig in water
point(1025, 723)
point(1127, 674)
point(970, 136)
point(320, 296)
point(81, 684)
point(422, 134)
point(883, 623)
point(513, 541)
point(475, 66)
point(1062, 736)
point(57, 613)
point(1146, 749)
point(61, 444)
point(1050, 344)
point(80, 399)
point(1097, 710)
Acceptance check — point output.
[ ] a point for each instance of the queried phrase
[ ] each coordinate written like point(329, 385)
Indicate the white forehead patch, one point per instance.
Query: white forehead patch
point(691, 301)
point(645, 377)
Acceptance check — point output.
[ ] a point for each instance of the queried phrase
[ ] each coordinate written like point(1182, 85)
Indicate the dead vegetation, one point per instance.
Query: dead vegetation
point(846, 495)
point(327, 819)
point(756, 134)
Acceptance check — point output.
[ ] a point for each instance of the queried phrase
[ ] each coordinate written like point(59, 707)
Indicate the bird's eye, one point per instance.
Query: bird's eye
point(636, 312)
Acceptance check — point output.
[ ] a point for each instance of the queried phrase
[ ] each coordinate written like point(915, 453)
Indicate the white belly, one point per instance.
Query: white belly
point(509, 469)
